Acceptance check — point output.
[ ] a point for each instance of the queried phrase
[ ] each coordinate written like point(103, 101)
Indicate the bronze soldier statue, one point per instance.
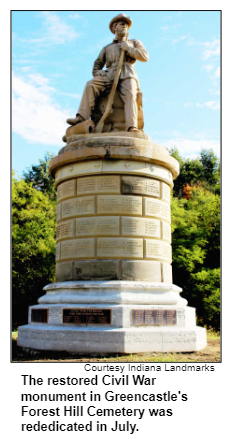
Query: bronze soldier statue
point(128, 84)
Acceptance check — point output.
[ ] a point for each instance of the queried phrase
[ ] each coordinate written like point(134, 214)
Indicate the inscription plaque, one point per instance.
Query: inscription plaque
point(154, 317)
point(140, 186)
point(119, 248)
point(78, 248)
point(66, 189)
point(119, 204)
point(78, 206)
point(140, 227)
point(157, 208)
point(65, 229)
point(166, 231)
point(87, 316)
point(99, 226)
point(39, 315)
point(58, 212)
point(98, 184)
point(158, 250)
point(165, 192)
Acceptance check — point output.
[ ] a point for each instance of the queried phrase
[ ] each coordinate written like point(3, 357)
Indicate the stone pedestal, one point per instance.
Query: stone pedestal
point(113, 290)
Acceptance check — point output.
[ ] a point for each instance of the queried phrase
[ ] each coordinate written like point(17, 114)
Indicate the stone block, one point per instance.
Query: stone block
point(165, 192)
point(133, 226)
point(97, 270)
point(58, 212)
point(135, 270)
point(98, 226)
point(123, 166)
point(166, 270)
point(133, 185)
point(156, 208)
point(159, 172)
point(98, 184)
point(65, 229)
point(78, 207)
point(118, 204)
point(67, 189)
point(78, 248)
point(119, 248)
point(78, 169)
point(158, 250)
point(166, 231)
point(58, 251)
point(65, 271)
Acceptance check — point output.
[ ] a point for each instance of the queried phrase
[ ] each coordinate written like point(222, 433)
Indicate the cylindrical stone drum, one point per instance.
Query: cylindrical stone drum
point(113, 218)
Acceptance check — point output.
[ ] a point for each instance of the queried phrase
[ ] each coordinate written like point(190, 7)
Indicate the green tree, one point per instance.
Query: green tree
point(207, 286)
point(204, 171)
point(196, 251)
point(33, 246)
point(210, 170)
point(40, 177)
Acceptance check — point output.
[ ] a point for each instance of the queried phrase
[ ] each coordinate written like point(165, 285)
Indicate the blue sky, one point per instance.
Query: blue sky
point(53, 55)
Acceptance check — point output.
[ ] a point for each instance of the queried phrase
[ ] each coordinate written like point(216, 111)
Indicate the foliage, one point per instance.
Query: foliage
point(33, 246)
point(196, 252)
point(207, 283)
point(40, 177)
point(204, 171)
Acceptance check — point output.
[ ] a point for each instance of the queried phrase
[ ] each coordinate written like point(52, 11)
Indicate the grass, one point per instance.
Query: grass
point(210, 354)
point(213, 335)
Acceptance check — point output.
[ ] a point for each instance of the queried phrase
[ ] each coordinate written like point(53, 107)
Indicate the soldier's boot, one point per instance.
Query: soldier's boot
point(76, 120)
point(133, 130)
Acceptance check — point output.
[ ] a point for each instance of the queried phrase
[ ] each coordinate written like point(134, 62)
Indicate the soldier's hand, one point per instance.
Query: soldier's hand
point(125, 46)
point(101, 73)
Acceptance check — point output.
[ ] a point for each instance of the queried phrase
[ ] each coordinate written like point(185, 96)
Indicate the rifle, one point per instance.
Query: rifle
point(100, 124)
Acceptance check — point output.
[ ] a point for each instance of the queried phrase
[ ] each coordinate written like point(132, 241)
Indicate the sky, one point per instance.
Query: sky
point(52, 58)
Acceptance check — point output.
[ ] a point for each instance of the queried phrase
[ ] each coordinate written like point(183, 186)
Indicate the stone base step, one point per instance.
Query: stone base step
point(110, 340)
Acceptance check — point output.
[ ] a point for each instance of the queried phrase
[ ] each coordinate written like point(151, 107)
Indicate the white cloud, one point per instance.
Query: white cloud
point(36, 116)
point(188, 104)
point(212, 44)
point(208, 67)
point(213, 105)
point(67, 94)
point(217, 72)
point(192, 41)
point(40, 80)
point(174, 41)
point(212, 49)
point(214, 92)
point(56, 31)
point(26, 68)
point(75, 16)
point(171, 27)
point(191, 148)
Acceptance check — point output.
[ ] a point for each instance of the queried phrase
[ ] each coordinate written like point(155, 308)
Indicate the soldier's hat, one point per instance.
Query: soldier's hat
point(120, 17)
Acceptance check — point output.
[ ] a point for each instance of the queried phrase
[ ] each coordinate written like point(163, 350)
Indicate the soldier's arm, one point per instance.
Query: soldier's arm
point(138, 51)
point(99, 63)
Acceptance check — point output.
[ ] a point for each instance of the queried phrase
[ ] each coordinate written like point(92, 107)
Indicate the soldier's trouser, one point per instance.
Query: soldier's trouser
point(128, 92)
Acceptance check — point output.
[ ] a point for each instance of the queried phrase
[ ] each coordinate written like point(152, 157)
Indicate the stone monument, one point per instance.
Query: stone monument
point(113, 289)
